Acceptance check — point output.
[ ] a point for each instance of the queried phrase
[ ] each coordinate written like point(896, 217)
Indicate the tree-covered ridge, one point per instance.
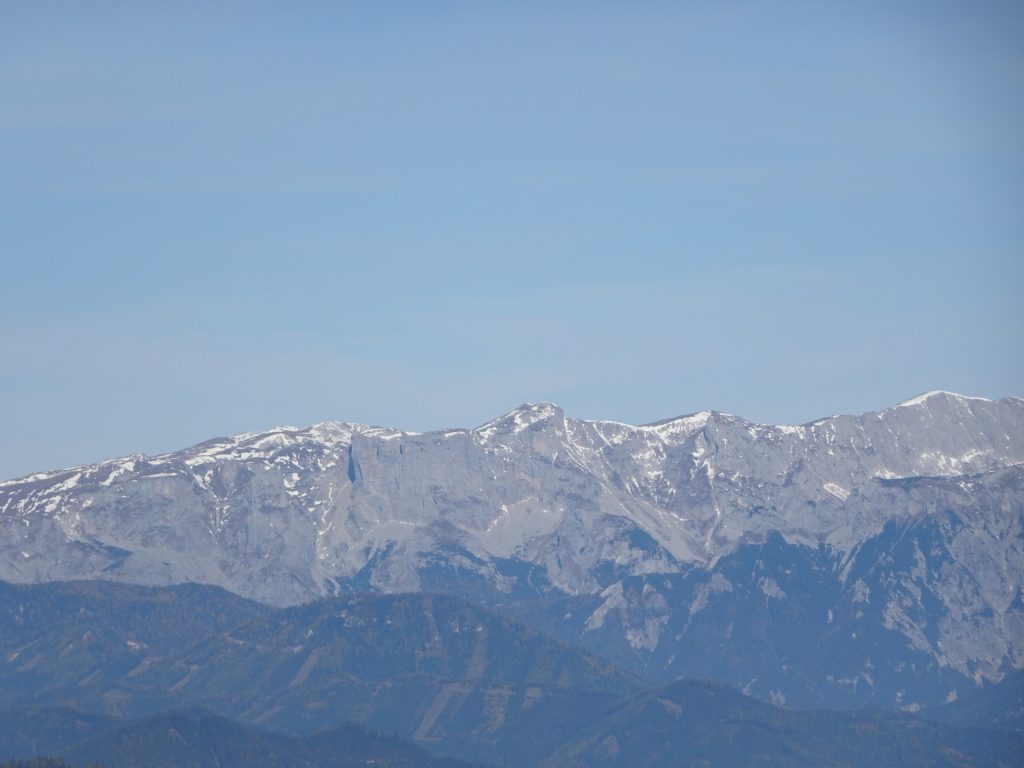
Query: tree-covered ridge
point(197, 739)
point(718, 727)
point(458, 679)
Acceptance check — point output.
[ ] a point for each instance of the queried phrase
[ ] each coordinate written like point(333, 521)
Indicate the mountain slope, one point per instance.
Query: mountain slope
point(997, 706)
point(30, 731)
point(82, 636)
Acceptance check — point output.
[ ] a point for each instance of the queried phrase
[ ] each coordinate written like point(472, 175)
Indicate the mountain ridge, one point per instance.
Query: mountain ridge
point(326, 428)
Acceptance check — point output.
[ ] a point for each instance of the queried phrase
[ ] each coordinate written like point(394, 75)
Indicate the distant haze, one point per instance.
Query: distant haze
point(218, 219)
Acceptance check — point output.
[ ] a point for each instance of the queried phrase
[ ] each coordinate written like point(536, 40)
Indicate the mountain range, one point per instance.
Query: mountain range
point(854, 561)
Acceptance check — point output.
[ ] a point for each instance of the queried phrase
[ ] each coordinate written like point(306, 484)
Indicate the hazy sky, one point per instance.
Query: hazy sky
point(218, 217)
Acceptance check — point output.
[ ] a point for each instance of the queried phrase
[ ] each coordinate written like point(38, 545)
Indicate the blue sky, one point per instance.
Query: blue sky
point(219, 219)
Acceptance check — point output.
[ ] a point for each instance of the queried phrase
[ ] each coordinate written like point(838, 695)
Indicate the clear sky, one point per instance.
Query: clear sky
point(218, 217)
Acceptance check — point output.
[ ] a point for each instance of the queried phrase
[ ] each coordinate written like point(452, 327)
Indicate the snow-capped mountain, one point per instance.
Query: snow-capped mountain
point(637, 527)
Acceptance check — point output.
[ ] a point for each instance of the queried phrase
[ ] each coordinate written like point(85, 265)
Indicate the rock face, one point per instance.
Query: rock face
point(894, 538)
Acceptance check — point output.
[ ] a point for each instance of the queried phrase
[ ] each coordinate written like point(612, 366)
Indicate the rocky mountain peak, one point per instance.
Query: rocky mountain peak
point(526, 416)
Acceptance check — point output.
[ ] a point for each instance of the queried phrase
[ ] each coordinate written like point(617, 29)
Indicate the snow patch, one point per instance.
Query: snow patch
point(771, 588)
point(836, 490)
point(684, 426)
point(922, 399)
